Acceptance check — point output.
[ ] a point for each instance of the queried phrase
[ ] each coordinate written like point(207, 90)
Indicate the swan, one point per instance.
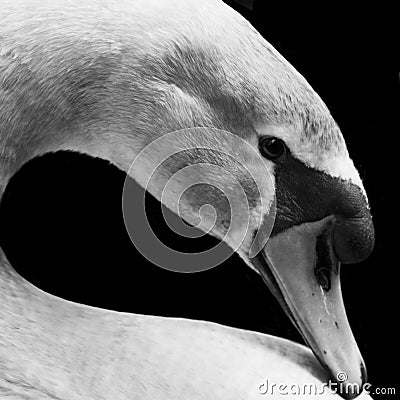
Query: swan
point(108, 79)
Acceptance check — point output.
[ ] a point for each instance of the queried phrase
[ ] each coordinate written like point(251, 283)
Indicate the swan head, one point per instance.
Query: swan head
point(289, 201)
point(273, 164)
point(322, 221)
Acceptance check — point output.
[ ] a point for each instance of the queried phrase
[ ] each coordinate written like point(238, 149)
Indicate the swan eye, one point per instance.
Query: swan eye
point(272, 148)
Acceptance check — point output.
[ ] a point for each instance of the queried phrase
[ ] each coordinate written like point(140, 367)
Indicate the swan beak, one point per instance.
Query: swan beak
point(302, 271)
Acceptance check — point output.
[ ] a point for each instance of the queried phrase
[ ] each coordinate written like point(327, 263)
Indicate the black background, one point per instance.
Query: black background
point(62, 227)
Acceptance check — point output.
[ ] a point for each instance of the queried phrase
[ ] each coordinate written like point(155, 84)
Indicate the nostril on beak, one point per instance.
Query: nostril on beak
point(353, 238)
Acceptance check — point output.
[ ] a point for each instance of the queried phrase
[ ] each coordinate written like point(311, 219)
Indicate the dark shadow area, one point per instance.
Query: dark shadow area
point(63, 230)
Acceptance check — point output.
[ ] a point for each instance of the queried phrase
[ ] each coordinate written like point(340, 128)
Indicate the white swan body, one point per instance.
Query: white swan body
point(54, 349)
point(107, 78)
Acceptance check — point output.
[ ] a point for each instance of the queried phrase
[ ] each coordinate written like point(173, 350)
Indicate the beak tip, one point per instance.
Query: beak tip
point(364, 374)
point(351, 385)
